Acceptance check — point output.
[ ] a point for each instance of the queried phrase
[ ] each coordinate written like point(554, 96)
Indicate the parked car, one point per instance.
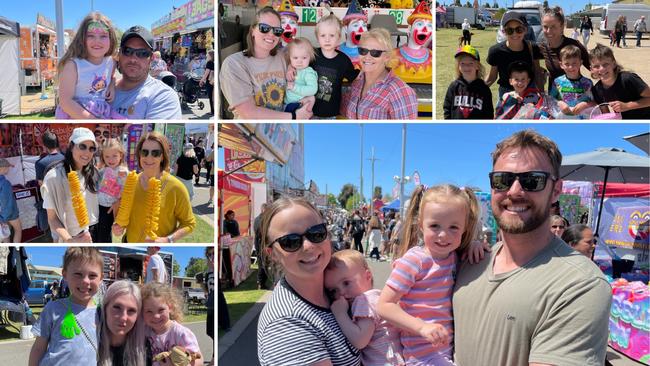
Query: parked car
point(39, 292)
point(194, 295)
point(533, 11)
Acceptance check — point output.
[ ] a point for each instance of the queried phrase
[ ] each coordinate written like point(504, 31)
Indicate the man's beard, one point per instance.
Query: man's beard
point(517, 225)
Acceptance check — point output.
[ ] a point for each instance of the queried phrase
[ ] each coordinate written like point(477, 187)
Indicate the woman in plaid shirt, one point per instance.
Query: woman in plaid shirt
point(377, 93)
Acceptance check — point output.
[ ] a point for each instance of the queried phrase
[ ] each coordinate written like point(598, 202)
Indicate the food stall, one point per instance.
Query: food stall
point(38, 52)
point(131, 263)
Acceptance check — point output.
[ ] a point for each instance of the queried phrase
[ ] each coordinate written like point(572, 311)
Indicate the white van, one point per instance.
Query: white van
point(611, 12)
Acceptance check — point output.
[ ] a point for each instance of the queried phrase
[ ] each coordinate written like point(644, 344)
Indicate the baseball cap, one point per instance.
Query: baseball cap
point(514, 15)
point(137, 31)
point(4, 163)
point(469, 51)
point(81, 134)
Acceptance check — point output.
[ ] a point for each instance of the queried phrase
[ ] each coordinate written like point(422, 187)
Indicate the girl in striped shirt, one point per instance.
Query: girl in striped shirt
point(440, 225)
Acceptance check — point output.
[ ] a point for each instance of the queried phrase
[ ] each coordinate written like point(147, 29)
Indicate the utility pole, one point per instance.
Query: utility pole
point(361, 169)
point(402, 178)
point(372, 179)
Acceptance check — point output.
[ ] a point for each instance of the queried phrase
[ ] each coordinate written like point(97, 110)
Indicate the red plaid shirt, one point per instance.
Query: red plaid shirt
point(390, 98)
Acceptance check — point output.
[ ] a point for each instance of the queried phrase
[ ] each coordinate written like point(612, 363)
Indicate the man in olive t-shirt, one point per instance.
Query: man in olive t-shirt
point(534, 301)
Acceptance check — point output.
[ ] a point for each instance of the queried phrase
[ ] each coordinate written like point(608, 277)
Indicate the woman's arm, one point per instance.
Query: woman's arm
point(492, 76)
point(67, 84)
point(248, 110)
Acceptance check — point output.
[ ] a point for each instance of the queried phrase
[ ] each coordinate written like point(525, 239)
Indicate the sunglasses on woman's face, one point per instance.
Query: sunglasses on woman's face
point(557, 227)
point(373, 53)
point(138, 52)
point(292, 242)
point(510, 31)
point(265, 28)
point(155, 153)
point(84, 147)
point(106, 134)
point(530, 181)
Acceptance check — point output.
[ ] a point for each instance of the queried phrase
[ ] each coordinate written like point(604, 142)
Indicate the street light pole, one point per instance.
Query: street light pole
point(401, 181)
point(372, 179)
point(361, 169)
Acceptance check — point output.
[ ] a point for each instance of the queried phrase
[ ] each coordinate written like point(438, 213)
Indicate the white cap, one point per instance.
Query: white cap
point(81, 134)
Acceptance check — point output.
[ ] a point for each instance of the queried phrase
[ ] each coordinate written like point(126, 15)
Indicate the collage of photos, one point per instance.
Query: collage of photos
point(410, 228)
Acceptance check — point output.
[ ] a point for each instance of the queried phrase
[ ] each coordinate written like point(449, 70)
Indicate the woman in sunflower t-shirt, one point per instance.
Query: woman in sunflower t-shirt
point(253, 81)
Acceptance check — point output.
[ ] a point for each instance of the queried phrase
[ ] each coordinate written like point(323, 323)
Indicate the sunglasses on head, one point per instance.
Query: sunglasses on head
point(155, 153)
point(138, 52)
point(84, 147)
point(510, 31)
point(292, 242)
point(373, 53)
point(106, 134)
point(265, 28)
point(534, 181)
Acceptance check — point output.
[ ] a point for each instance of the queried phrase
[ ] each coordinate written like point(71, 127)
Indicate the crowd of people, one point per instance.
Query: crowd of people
point(556, 91)
point(538, 277)
point(100, 164)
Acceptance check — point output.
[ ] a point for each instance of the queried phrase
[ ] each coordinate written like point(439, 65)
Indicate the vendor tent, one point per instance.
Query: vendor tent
point(392, 206)
point(642, 141)
point(10, 61)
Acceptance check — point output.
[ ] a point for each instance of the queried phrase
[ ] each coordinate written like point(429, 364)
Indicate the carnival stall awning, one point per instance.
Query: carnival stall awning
point(270, 141)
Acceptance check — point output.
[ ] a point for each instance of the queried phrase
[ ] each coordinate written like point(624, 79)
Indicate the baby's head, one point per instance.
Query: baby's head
point(112, 153)
point(347, 275)
point(519, 75)
point(300, 53)
point(328, 32)
point(570, 61)
point(82, 270)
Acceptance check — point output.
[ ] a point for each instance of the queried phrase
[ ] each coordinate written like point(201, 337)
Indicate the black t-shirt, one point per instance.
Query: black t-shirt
point(468, 100)
point(331, 72)
point(210, 66)
point(627, 88)
point(118, 355)
point(185, 167)
point(501, 56)
point(231, 227)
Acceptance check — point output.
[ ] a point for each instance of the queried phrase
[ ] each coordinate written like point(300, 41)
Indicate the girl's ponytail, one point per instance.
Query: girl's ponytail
point(410, 230)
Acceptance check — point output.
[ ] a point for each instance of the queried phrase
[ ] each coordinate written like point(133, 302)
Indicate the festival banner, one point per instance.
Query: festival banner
point(199, 10)
point(570, 208)
point(240, 254)
point(277, 137)
point(133, 136)
point(628, 227)
point(254, 172)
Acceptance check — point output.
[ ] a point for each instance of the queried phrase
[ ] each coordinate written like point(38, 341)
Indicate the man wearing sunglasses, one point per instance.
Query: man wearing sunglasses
point(137, 94)
point(535, 301)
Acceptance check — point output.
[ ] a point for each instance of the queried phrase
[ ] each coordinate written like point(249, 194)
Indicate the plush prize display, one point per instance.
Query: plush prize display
point(78, 201)
point(178, 356)
point(153, 208)
point(126, 202)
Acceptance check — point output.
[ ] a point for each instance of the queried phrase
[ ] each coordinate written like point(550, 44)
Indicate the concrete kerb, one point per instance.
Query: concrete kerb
point(231, 337)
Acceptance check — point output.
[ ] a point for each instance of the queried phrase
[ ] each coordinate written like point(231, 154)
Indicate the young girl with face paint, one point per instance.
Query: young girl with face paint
point(85, 73)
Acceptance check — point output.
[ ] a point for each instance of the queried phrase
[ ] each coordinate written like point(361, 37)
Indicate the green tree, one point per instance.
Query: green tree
point(468, 4)
point(457, 3)
point(176, 268)
point(353, 202)
point(495, 5)
point(196, 265)
point(346, 192)
point(331, 200)
point(545, 5)
point(499, 13)
point(377, 192)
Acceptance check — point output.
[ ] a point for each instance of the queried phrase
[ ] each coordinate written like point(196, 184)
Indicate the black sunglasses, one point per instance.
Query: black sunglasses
point(84, 147)
point(155, 153)
point(510, 31)
point(106, 134)
point(557, 226)
point(530, 181)
point(139, 52)
point(292, 242)
point(373, 53)
point(265, 28)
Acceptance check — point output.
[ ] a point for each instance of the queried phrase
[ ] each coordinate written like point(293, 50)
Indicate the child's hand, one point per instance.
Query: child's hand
point(82, 237)
point(117, 230)
point(110, 92)
point(290, 84)
point(618, 106)
point(564, 107)
point(340, 306)
point(436, 334)
point(308, 102)
point(476, 251)
point(291, 74)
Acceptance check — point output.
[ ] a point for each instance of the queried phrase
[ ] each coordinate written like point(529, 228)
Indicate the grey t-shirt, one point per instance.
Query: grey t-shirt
point(153, 99)
point(554, 310)
point(63, 351)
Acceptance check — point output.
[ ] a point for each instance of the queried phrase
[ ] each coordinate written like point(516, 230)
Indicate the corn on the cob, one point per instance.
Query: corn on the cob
point(78, 201)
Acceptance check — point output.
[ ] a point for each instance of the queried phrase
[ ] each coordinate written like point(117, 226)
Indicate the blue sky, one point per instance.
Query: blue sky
point(123, 13)
point(569, 7)
point(53, 256)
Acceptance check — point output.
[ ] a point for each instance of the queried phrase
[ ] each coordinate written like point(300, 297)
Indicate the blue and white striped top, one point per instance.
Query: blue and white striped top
point(293, 331)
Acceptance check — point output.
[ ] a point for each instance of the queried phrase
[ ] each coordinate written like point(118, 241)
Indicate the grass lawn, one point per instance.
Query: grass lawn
point(194, 318)
point(203, 233)
point(446, 46)
point(242, 298)
point(49, 115)
point(12, 332)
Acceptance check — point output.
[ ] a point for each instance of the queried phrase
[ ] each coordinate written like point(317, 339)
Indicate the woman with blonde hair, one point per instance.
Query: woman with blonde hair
point(375, 233)
point(157, 64)
point(377, 93)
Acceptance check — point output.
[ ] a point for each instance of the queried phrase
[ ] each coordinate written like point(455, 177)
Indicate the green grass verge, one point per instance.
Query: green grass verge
point(446, 46)
point(241, 298)
point(47, 115)
point(194, 318)
point(203, 233)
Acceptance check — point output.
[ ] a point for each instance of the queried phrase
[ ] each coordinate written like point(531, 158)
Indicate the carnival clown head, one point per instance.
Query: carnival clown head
point(421, 26)
point(288, 21)
point(355, 22)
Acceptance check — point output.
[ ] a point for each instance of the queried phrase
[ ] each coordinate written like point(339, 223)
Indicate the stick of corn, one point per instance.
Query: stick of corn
point(78, 201)
point(153, 208)
point(126, 202)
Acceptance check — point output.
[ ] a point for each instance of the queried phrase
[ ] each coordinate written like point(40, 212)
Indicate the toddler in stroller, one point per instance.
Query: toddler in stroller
point(191, 90)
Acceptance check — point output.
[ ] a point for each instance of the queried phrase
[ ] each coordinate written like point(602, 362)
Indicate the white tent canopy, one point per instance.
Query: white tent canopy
point(10, 61)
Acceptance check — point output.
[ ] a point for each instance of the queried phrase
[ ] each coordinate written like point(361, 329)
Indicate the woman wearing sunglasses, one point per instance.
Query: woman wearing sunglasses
point(377, 93)
point(296, 326)
point(558, 225)
point(581, 238)
point(514, 48)
point(254, 80)
point(57, 200)
point(176, 218)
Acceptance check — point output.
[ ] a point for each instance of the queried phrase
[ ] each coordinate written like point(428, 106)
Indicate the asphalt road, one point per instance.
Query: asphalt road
point(17, 352)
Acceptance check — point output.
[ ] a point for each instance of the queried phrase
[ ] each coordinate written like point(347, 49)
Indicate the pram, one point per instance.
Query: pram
point(191, 91)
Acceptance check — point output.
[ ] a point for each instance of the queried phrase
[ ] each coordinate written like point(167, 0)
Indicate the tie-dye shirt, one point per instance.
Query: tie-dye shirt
point(426, 285)
point(571, 91)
